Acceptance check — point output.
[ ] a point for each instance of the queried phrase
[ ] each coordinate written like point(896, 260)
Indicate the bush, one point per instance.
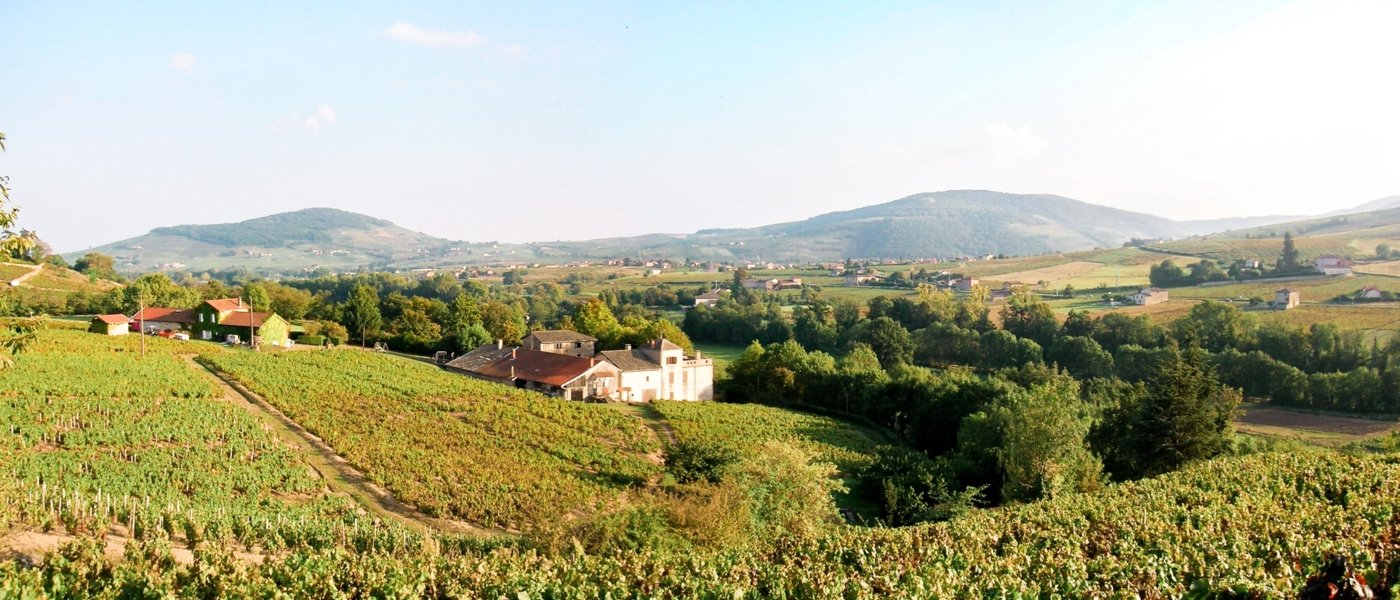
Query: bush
point(312, 340)
point(691, 461)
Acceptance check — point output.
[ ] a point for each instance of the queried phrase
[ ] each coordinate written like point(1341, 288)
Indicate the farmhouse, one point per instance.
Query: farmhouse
point(661, 371)
point(153, 319)
point(1150, 296)
point(709, 298)
point(110, 324)
point(1370, 293)
point(563, 375)
point(1285, 299)
point(218, 319)
point(561, 342)
point(966, 284)
point(1333, 265)
point(863, 278)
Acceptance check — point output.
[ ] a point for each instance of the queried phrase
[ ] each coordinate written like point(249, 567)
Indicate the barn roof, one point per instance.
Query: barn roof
point(246, 319)
point(480, 357)
point(226, 304)
point(112, 319)
point(540, 367)
point(164, 315)
point(554, 336)
point(629, 360)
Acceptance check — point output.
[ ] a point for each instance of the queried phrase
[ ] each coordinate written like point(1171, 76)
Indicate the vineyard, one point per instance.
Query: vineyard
point(1242, 527)
point(455, 447)
point(745, 427)
point(100, 441)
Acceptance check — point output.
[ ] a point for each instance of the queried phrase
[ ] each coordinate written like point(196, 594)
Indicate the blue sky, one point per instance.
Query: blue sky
point(542, 121)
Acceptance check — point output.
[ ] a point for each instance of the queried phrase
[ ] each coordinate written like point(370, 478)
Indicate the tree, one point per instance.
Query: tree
point(361, 311)
point(1043, 452)
point(1185, 417)
point(258, 297)
point(596, 319)
point(1166, 274)
point(156, 289)
point(790, 493)
point(503, 321)
point(1082, 357)
point(1288, 262)
point(96, 264)
point(1028, 316)
point(1383, 251)
point(1213, 326)
point(889, 340)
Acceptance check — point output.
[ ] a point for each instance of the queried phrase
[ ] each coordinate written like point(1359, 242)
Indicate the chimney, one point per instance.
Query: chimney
point(699, 355)
point(512, 357)
point(512, 371)
point(592, 363)
point(500, 343)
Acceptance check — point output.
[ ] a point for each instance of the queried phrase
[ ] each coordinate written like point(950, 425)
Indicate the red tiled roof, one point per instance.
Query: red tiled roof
point(540, 367)
point(164, 315)
point(245, 319)
point(226, 304)
point(113, 319)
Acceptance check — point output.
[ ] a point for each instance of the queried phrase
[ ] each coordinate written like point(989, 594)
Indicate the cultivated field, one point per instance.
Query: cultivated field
point(1328, 430)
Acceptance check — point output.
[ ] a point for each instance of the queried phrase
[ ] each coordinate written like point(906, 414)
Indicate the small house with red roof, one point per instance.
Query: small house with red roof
point(218, 319)
point(155, 319)
point(110, 324)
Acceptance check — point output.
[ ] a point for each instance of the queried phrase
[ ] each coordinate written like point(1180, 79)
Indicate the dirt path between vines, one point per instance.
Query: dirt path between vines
point(35, 546)
point(341, 476)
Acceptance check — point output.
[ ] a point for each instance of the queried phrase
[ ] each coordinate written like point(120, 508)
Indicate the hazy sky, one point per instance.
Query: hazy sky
point(571, 120)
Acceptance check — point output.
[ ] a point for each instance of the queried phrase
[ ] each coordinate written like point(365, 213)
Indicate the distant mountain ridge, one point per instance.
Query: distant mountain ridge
point(946, 224)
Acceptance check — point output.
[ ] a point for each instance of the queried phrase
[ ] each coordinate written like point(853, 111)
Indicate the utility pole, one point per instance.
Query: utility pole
point(141, 322)
point(252, 344)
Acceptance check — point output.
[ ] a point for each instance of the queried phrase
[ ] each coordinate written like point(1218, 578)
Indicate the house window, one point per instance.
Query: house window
point(670, 378)
point(671, 360)
point(685, 376)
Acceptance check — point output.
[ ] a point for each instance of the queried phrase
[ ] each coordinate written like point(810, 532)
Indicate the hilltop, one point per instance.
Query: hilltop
point(291, 241)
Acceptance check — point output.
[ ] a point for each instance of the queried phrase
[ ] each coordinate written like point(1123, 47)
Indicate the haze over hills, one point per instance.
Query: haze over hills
point(929, 225)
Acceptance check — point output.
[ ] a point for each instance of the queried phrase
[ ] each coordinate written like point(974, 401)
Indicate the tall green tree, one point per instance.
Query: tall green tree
point(361, 311)
point(1185, 417)
point(1288, 262)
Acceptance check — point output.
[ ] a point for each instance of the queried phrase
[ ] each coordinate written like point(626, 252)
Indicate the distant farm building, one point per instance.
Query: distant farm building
point(154, 319)
point(1150, 296)
point(966, 284)
point(110, 324)
point(1285, 299)
point(855, 279)
point(659, 370)
point(562, 342)
point(709, 298)
point(1333, 265)
point(1371, 293)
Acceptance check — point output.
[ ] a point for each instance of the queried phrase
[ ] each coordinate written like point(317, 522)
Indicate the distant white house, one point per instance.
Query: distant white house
point(1150, 296)
point(966, 284)
point(709, 298)
point(1285, 299)
point(1333, 265)
point(1371, 293)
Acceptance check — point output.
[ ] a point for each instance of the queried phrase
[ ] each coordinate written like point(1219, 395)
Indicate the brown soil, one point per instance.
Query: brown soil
point(1273, 416)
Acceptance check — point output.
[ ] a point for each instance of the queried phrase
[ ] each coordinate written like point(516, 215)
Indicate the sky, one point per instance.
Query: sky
point(535, 121)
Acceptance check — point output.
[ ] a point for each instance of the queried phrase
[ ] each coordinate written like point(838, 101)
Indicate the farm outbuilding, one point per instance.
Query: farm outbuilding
point(110, 325)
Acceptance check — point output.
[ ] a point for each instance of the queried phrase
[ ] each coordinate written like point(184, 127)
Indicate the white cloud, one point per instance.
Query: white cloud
point(1008, 142)
point(183, 61)
point(511, 50)
point(405, 32)
point(324, 115)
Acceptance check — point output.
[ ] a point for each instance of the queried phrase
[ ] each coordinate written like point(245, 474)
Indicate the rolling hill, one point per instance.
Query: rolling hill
point(284, 242)
point(941, 224)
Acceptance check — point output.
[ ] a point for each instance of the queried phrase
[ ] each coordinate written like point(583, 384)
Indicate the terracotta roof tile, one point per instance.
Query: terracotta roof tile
point(553, 336)
point(113, 319)
point(226, 304)
point(540, 367)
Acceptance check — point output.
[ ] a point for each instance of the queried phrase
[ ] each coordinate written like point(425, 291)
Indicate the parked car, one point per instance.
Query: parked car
point(184, 337)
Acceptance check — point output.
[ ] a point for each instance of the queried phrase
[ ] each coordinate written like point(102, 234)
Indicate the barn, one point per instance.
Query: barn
point(110, 325)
